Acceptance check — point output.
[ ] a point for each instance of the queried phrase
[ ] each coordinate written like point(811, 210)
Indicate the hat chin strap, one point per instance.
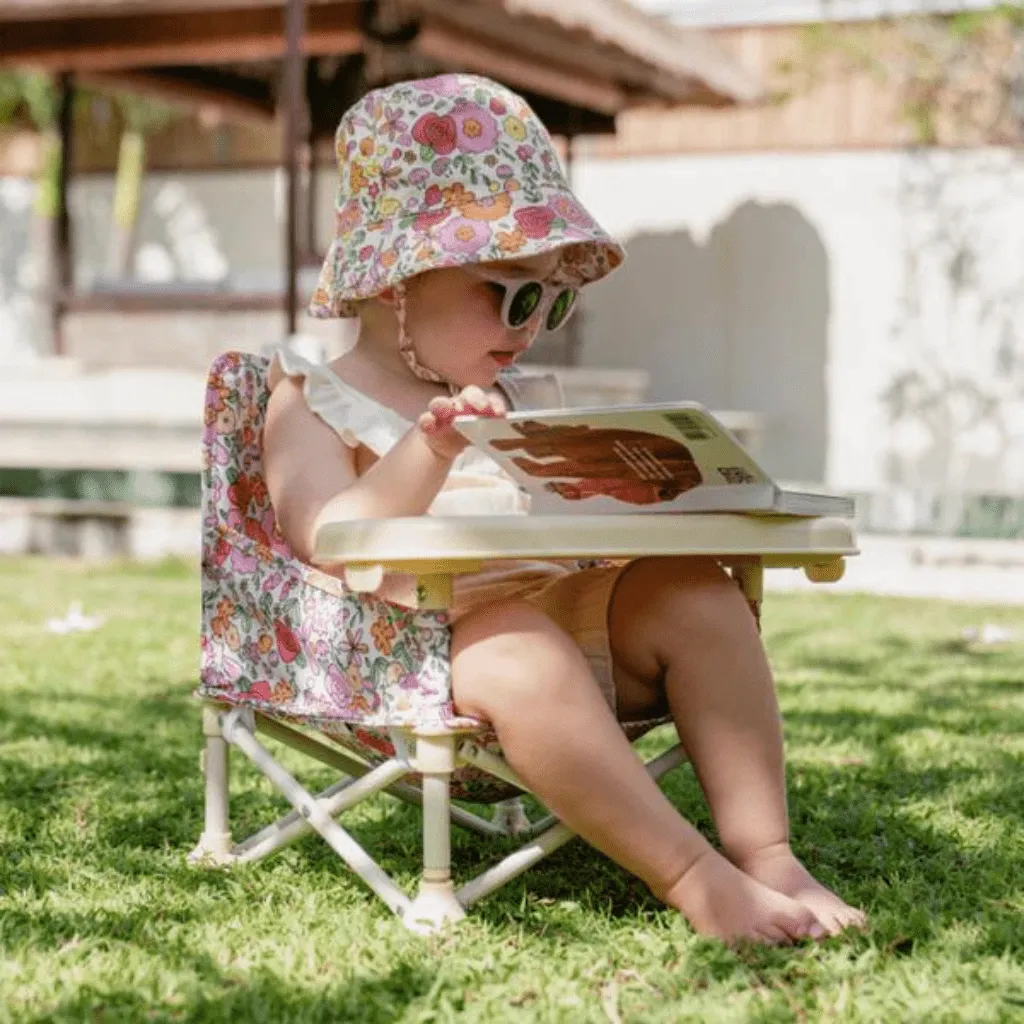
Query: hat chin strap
point(406, 347)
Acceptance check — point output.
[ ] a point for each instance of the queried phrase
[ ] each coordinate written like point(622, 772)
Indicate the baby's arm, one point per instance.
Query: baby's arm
point(311, 473)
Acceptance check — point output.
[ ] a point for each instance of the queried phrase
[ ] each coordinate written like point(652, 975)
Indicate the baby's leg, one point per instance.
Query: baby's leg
point(680, 629)
point(513, 667)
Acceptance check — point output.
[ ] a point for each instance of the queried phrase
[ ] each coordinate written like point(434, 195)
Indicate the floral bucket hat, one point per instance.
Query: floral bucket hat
point(444, 172)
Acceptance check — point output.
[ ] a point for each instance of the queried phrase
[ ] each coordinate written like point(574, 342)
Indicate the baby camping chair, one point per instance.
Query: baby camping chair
point(358, 684)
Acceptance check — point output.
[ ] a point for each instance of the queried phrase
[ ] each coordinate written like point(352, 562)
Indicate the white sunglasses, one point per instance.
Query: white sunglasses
point(523, 297)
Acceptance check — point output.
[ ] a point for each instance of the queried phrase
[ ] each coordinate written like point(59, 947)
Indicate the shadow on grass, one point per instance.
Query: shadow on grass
point(266, 998)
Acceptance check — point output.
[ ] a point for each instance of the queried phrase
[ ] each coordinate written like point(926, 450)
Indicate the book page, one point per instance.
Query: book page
point(673, 457)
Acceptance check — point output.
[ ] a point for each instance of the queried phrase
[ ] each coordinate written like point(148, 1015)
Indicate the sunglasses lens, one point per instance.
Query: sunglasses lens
point(524, 304)
point(561, 308)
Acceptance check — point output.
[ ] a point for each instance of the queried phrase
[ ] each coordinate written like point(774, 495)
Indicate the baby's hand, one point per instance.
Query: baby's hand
point(436, 423)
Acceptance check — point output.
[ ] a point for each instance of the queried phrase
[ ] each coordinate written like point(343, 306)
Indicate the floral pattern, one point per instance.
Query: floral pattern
point(292, 642)
point(446, 171)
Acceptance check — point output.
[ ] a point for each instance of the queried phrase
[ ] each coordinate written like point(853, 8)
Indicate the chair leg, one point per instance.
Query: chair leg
point(435, 903)
point(510, 817)
point(750, 577)
point(215, 845)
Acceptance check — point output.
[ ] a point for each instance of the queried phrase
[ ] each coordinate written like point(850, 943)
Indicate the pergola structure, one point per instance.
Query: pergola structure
point(301, 63)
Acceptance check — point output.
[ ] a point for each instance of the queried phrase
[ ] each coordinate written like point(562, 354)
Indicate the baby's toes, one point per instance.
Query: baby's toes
point(833, 913)
point(851, 917)
point(802, 923)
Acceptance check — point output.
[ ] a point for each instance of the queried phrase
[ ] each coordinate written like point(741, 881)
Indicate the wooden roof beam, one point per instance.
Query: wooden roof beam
point(584, 56)
point(455, 48)
point(146, 41)
point(233, 95)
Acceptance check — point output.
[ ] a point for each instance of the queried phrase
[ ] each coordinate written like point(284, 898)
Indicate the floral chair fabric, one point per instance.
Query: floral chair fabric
point(292, 642)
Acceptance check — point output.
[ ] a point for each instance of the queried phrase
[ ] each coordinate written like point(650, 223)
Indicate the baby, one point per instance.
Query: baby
point(457, 238)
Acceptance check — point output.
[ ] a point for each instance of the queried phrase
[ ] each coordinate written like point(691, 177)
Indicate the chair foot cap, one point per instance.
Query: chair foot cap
point(213, 851)
point(434, 907)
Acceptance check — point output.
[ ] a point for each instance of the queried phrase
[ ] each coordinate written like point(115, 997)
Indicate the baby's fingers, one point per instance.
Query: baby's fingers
point(472, 400)
point(443, 410)
point(495, 406)
point(475, 401)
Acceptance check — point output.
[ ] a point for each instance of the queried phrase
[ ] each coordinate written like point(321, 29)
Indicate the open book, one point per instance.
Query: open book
point(673, 457)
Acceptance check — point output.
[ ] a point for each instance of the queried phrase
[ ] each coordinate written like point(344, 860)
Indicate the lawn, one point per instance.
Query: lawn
point(907, 790)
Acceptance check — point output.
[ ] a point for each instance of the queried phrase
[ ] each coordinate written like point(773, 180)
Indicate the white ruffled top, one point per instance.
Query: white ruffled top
point(476, 484)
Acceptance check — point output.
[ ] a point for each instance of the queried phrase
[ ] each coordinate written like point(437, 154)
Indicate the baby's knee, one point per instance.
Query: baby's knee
point(685, 592)
point(504, 654)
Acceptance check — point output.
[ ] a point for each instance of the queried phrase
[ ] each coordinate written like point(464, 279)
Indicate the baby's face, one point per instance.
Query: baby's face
point(454, 318)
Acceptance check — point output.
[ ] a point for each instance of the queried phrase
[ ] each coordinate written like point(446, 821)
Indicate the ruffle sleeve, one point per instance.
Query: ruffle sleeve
point(357, 419)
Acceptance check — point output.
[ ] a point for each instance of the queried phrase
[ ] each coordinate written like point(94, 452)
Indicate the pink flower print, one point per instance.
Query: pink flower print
point(393, 124)
point(224, 668)
point(535, 221)
point(525, 152)
point(442, 85)
point(440, 166)
point(260, 690)
point(437, 133)
point(288, 645)
point(221, 552)
point(477, 130)
point(571, 211)
point(220, 453)
point(277, 542)
point(399, 676)
point(366, 252)
point(434, 195)
point(272, 581)
point(349, 218)
point(353, 646)
point(391, 174)
point(463, 235)
point(428, 219)
point(497, 107)
point(418, 175)
point(339, 689)
point(242, 563)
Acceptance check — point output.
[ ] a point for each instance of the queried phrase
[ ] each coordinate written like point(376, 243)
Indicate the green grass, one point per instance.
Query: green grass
point(907, 791)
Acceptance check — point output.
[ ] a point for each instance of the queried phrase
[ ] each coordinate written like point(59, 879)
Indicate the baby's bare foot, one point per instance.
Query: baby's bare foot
point(777, 867)
point(721, 901)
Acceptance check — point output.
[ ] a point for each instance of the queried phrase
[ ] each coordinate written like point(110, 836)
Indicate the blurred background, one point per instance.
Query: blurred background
point(823, 204)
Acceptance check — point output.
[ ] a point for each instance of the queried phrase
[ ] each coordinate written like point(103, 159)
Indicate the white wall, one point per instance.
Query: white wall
point(802, 287)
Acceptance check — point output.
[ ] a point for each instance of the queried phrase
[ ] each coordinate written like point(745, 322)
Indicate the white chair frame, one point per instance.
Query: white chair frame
point(436, 550)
